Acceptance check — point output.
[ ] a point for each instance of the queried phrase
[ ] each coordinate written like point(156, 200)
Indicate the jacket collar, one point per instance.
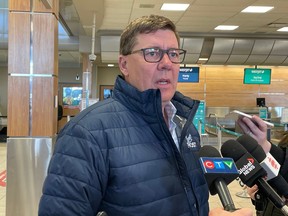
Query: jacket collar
point(148, 102)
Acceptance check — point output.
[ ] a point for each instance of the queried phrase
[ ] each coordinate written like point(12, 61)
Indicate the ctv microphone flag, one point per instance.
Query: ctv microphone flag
point(218, 167)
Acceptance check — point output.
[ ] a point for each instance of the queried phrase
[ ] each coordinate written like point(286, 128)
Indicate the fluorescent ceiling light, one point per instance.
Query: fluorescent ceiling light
point(110, 65)
point(174, 7)
point(203, 59)
point(257, 9)
point(226, 27)
point(284, 29)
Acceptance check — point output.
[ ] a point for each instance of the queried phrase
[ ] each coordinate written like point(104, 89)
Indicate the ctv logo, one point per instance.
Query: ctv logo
point(218, 164)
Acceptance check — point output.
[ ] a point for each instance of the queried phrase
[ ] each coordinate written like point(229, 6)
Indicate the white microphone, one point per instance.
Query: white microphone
point(271, 165)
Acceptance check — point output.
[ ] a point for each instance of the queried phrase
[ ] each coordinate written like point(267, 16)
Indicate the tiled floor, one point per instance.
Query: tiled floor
point(2, 178)
point(214, 201)
point(239, 196)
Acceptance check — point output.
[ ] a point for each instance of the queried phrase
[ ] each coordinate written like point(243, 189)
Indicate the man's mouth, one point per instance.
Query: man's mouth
point(163, 82)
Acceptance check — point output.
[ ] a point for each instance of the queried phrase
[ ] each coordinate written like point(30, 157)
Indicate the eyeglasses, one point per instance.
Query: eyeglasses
point(154, 55)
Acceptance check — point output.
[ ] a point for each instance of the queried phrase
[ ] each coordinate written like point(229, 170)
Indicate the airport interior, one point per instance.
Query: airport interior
point(63, 55)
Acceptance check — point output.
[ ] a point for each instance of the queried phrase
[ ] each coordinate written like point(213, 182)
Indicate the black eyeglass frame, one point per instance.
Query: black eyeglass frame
point(162, 54)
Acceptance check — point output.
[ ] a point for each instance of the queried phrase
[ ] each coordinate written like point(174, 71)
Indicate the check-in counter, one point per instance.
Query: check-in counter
point(3, 121)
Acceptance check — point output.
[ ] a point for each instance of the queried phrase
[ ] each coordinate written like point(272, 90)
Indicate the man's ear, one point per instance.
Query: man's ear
point(122, 61)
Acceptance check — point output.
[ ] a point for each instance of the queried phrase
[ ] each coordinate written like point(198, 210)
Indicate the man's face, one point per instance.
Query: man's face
point(143, 75)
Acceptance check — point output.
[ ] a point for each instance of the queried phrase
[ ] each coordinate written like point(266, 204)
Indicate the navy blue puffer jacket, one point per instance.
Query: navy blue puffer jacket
point(118, 156)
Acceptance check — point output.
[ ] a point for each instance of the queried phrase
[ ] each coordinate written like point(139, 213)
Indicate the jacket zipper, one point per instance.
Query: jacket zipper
point(174, 148)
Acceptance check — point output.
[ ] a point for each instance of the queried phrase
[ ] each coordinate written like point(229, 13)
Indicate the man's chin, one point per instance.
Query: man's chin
point(166, 98)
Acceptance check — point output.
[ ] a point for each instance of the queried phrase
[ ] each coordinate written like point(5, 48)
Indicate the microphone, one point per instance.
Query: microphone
point(251, 172)
point(267, 162)
point(219, 172)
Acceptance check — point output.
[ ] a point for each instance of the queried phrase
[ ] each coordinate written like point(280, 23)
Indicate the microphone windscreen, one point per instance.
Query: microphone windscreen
point(245, 139)
point(209, 151)
point(232, 148)
point(249, 169)
point(252, 146)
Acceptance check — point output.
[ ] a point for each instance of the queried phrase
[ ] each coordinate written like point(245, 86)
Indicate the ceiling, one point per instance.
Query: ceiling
point(255, 42)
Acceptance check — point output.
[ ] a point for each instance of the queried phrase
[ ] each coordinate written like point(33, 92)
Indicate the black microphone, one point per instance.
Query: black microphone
point(219, 172)
point(251, 172)
point(268, 162)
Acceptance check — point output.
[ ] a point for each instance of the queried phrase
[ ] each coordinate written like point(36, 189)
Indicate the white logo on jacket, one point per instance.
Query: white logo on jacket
point(190, 142)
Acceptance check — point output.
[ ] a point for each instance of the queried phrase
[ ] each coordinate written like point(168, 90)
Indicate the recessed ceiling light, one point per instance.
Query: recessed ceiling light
point(226, 27)
point(174, 7)
point(284, 29)
point(203, 59)
point(257, 9)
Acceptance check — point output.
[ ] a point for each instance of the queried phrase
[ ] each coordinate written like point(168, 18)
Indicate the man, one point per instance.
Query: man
point(136, 152)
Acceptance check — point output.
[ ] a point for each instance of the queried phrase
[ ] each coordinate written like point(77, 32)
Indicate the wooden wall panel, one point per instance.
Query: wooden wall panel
point(56, 10)
point(43, 107)
point(228, 85)
point(279, 73)
point(38, 6)
point(43, 43)
point(275, 86)
point(18, 63)
point(222, 86)
point(32, 91)
point(231, 100)
point(191, 87)
point(19, 5)
point(18, 106)
point(19, 43)
point(56, 53)
point(223, 72)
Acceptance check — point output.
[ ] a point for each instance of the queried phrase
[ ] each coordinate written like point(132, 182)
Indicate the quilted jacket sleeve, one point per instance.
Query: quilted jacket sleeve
point(76, 177)
point(284, 169)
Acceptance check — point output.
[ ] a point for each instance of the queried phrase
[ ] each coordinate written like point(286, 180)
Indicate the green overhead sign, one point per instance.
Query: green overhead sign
point(257, 76)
